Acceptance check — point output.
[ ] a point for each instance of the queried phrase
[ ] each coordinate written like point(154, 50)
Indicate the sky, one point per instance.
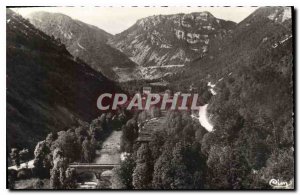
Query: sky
point(117, 19)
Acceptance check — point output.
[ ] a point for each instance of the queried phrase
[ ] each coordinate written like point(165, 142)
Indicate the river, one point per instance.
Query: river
point(110, 151)
point(108, 154)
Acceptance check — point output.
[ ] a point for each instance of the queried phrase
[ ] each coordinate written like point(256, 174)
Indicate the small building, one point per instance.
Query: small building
point(146, 90)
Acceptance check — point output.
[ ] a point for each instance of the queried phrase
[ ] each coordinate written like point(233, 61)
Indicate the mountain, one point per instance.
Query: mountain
point(47, 90)
point(262, 34)
point(251, 75)
point(86, 42)
point(251, 107)
point(163, 40)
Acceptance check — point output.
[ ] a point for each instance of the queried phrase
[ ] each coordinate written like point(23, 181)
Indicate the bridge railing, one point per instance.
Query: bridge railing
point(92, 164)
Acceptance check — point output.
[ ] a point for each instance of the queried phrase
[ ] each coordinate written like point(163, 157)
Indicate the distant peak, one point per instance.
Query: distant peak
point(276, 14)
point(204, 13)
point(193, 15)
point(49, 13)
point(44, 14)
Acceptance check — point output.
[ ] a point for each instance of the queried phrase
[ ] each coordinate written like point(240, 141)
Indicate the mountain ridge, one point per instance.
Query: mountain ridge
point(187, 33)
point(87, 42)
point(158, 42)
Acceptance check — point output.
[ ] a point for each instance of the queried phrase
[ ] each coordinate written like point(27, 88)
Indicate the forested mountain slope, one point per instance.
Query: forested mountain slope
point(47, 90)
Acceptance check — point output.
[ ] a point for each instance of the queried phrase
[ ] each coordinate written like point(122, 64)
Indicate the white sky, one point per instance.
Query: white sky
point(116, 19)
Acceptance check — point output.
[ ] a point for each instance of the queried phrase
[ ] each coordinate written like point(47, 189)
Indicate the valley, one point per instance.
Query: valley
point(241, 137)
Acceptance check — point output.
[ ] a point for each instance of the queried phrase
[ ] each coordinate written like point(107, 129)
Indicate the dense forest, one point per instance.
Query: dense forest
point(183, 155)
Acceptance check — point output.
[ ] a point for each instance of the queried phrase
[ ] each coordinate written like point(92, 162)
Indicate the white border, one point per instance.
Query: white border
point(5, 3)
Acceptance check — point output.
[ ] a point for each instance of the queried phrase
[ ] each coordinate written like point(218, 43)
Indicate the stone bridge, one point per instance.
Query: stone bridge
point(97, 169)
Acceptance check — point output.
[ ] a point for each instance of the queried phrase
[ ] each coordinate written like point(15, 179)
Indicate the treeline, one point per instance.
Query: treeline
point(53, 155)
point(171, 160)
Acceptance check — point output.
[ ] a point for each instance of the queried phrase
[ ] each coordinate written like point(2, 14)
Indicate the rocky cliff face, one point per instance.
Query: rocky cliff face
point(171, 39)
point(262, 35)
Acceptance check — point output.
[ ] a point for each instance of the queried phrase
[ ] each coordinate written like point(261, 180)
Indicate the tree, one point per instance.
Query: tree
point(81, 132)
point(125, 172)
point(54, 179)
point(280, 166)
point(174, 122)
point(96, 130)
point(181, 177)
point(70, 180)
point(162, 175)
point(15, 157)
point(130, 133)
point(116, 181)
point(59, 160)
point(209, 140)
point(62, 177)
point(228, 168)
point(24, 156)
point(58, 175)
point(11, 178)
point(67, 142)
point(142, 174)
point(50, 138)
point(158, 139)
point(87, 151)
point(180, 166)
point(42, 160)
